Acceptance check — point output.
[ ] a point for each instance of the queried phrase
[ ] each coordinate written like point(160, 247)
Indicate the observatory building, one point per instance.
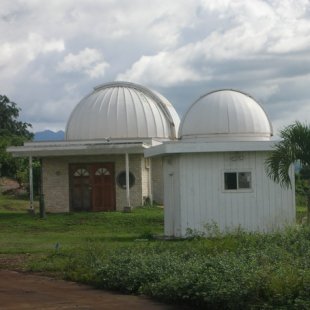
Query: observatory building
point(101, 165)
point(215, 173)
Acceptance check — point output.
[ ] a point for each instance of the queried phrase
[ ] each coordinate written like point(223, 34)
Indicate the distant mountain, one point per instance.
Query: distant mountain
point(48, 135)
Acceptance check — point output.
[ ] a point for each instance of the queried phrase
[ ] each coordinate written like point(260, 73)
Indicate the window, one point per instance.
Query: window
point(121, 179)
point(81, 172)
point(102, 171)
point(237, 180)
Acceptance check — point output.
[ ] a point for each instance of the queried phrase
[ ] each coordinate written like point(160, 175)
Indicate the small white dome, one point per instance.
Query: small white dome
point(122, 110)
point(226, 115)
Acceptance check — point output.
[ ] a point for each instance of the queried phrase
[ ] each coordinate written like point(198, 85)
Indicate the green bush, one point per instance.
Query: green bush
point(240, 271)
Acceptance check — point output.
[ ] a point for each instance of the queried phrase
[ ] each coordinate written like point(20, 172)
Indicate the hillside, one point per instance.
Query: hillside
point(48, 135)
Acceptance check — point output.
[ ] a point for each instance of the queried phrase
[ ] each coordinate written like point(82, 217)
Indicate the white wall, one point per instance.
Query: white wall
point(172, 203)
point(197, 195)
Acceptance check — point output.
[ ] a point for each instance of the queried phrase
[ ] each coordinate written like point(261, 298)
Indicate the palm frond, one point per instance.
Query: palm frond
point(295, 145)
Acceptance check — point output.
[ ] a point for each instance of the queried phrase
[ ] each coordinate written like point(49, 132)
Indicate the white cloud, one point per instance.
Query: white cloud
point(67, 47)
point(24, 51)
point(299, 111)
point(255, 30)
point(16, 55)
point(164, 69)
point(89, 61)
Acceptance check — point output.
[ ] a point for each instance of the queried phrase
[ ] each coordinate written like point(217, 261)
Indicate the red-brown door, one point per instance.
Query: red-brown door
point(103, 187)
point(80, 188)
point(92, 187)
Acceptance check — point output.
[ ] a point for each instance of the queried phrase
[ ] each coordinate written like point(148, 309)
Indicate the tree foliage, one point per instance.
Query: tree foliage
point(294, 146)
point(9, 123)
point(12, 132)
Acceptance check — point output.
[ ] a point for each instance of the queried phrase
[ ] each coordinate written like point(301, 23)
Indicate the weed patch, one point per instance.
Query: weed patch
point(118, 251)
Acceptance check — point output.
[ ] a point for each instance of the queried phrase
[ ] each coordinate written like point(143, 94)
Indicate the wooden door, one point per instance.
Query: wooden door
point(92, 187)
point(80, 181)
point(103, 187)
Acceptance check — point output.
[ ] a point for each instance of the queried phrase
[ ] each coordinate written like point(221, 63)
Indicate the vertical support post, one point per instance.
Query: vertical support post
point(150, 182)
point(31, 209)
point(42, 204)
point(127, 181)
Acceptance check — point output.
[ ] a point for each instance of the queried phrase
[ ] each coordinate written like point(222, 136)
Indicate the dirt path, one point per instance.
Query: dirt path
point(27, 291)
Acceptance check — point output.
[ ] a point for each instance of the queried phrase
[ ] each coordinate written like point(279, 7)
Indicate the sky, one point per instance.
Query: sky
point(52, 53)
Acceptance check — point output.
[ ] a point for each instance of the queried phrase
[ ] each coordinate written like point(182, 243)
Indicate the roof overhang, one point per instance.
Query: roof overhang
point(179, 147)
point(64, 148)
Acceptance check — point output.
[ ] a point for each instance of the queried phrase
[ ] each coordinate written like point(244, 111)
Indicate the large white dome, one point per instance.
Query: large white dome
point(121, 110)
point(226, 115)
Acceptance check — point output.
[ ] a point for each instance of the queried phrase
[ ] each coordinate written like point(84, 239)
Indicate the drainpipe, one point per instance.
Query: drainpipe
point(128, 207)
point(31, 209)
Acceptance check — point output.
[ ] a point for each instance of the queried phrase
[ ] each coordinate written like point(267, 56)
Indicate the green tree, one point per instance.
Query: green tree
point(294, 146)
point(302, 186)
point(12, 132)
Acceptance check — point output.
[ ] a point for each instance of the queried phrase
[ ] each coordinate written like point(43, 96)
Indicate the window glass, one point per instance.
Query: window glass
point(121, 179)
point(230, 180)
point(237, 180)
point(102, 171)
point(244, 180)
point(81, 172)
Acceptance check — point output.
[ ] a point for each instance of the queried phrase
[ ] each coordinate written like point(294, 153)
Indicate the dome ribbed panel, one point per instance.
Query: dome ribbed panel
point(121, 110)
point(172, 111)
point(226, 114)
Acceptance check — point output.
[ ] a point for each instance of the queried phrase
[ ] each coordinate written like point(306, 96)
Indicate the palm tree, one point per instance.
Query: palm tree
point(294, 146)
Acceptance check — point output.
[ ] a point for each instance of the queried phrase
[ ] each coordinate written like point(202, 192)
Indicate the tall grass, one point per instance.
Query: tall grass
point(117, 251)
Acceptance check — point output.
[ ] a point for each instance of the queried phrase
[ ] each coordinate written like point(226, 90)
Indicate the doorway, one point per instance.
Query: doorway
point(92, 187)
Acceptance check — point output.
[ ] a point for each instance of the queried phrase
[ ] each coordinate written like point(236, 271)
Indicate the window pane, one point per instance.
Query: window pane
point(121, 179)
point(81, 172)
point(244, 180)
point(230, 180)
point(102, 171)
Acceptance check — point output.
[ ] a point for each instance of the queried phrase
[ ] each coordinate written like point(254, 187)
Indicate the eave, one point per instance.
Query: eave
point(208, 147)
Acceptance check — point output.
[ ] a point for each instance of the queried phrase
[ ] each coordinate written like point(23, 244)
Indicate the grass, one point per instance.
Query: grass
point(9, 204)
point(22, 233)
point(116, 251)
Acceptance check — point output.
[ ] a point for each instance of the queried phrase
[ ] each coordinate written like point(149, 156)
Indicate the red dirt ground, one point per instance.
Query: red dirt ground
point(28, 291)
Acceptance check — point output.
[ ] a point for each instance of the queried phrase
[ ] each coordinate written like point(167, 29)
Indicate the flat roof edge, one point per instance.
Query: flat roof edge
point(209, 147)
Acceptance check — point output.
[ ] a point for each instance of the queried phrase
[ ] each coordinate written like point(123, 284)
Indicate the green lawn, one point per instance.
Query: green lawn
point(117, 251)
point(23, 233)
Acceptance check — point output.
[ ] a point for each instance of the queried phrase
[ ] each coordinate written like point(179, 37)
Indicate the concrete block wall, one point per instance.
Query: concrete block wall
point(56, 180)
point(136, 198)
point(55, 184)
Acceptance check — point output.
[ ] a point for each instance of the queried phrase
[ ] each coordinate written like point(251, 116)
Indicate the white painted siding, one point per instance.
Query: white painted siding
point(202, 198)
point(172, 196)
point(157, 179)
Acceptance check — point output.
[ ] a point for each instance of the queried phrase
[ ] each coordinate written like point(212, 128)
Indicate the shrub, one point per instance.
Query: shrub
point(253, 271)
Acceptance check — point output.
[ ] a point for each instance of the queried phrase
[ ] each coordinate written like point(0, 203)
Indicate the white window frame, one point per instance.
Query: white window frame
point(237, 190)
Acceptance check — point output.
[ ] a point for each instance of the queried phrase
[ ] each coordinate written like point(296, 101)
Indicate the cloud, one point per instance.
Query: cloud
point(16, 55)
point(57, 51)
point(51, 113)
point(254, 31)
point(89, 61)
point(26, 50)
point(164, 69)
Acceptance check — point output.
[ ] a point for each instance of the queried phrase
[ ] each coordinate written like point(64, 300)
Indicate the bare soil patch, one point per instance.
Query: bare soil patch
point(28, 291)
